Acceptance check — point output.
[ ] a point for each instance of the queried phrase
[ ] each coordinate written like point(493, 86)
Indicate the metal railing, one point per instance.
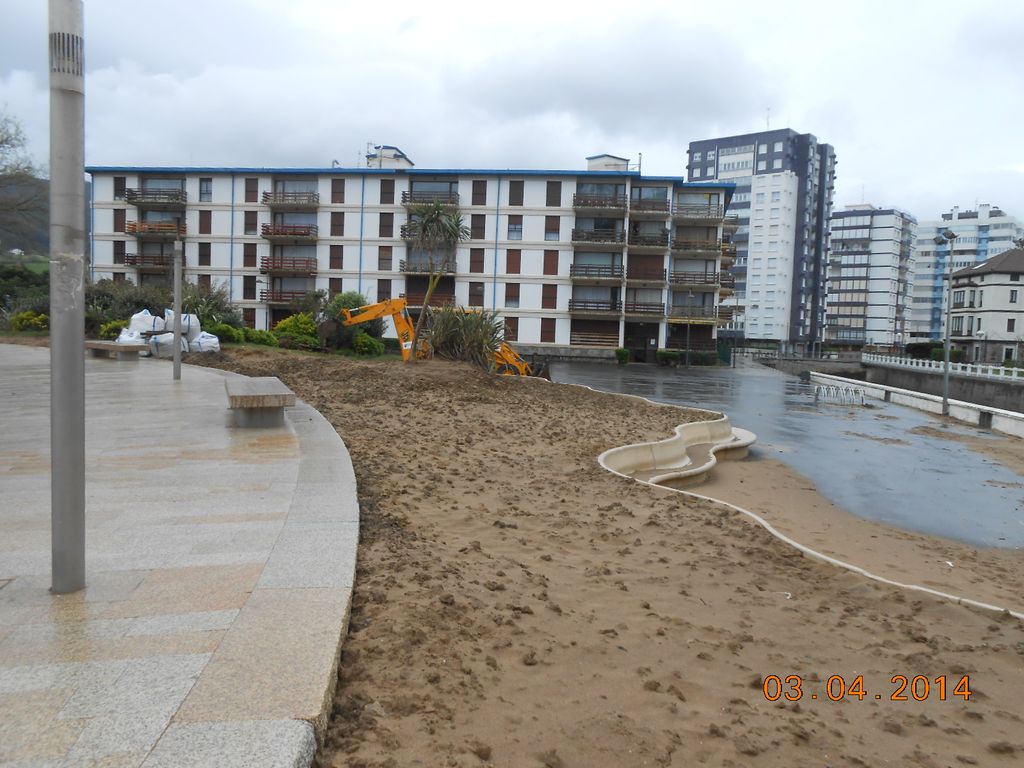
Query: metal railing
point(436, 300)
point(281, 297)
point(423, 266)
point(142, 196)
point(416, 197)
point(646, 273)
point(158, 260)
point(697, 211)
point(696, 245)
point(650, 206)
point(695, 278)
point(644, 308)
point(301, 264)
point(304, 231)
point(161, 228)
point(599, 235)
point(693, 312)
point(649, 239)
point(591, 305)
point(598, 201)
point(593, 339)
point(963, 369)
point(596, 271)
point(291, 199)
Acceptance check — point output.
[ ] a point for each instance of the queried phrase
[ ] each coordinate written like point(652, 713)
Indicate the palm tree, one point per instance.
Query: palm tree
point(435, 229)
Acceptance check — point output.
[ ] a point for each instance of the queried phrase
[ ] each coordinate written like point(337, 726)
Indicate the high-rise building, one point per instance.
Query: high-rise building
point(870, 268)
point(784, 182)
point(980, 235)
point(602, 257)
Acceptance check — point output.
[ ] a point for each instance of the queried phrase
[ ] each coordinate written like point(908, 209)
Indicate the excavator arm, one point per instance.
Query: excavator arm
point(397, 310)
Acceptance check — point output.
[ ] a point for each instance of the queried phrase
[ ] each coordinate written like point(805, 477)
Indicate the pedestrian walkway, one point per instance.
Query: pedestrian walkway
point(219, 566)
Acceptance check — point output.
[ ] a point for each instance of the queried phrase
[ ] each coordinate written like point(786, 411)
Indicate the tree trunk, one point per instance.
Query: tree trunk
point(435, 278)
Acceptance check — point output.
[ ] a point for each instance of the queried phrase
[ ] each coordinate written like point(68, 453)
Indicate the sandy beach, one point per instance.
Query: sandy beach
point(516, 605)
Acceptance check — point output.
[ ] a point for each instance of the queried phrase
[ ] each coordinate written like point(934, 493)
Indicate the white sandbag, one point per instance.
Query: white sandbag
point(204, 342)
point(163, 345)
point(128, 336)
point(143, 321)
point(189, 324)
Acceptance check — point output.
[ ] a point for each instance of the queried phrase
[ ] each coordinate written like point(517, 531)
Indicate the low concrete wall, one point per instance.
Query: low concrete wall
point(986, 392)
point(796, 366)
point(543, 352)
point(998, 419)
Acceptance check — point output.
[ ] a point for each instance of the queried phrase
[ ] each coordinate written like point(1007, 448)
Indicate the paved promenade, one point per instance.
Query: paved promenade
point(219, 564)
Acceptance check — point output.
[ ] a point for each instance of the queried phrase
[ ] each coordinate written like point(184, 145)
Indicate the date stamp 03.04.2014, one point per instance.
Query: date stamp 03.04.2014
point(840, 688)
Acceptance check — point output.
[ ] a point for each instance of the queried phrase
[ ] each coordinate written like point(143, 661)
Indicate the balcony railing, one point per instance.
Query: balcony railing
point(695, 245)
point(578, 339)
point(171, 198)
point(436, 300)
point(727, 280)
point(649, 239)
point(161, 229)
point(291, 199)
point(682, 211)
point(695, 278)
point(596, 271)
point(294, 264)
point(650, 274)
point(149, 260)
point(649, 206)
point(599, 236)
point(693, 312)
point(415, 197)
point(644, 308)
point(281, 297)
point(580, 200)
point(730, 221)
point(423, 267)
point(591, 305)
point(289, 231)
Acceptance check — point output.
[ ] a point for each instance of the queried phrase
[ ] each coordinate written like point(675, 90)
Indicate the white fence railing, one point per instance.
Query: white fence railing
point(962, 369)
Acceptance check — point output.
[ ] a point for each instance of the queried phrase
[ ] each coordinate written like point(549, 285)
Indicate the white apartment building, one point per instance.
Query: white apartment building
point(870, 268)
point(604, 257)
point(987, 316)
point(981, 234)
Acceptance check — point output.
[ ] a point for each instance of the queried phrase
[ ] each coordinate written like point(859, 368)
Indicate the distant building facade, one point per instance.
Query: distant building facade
point(981, 234)
point(870, 273)
point(784, 185)
point(987, 315)
point(603, 257)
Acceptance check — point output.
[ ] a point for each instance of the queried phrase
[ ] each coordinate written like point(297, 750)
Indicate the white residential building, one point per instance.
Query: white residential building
point(604, 257)
point(987, 316)
point(981, 234)
point(871, 258)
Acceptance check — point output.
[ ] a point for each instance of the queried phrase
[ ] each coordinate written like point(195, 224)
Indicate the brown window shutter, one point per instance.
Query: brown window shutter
point(249, 255)
point(550, 262)
point(119, 189)
point(204, 282)
point(119, 219)
point(478, 222)
point(118, 277)
point(334, 285)
point(511, 329)
point(387, 191)
point(387, 225)
point(206, 222)
point(250, 225)
point(476, 294)
point(554, 194)
point(479, 192)
point(383, 290)
point(552, 227)
point(337, 224)
point(252, 190)
point(476, 260)
point(515, 193)
point(204, 254)
point(119, 251)
point(384, 254)
point(249, 287)
point(511, 294)
point(249, 317)
point(513, 261)
point(337, 257)
point(549, 296)
point(547, 330)
point(337, 191)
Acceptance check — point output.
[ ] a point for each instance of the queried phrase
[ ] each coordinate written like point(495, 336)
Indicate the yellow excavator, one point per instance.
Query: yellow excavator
point(507, 361)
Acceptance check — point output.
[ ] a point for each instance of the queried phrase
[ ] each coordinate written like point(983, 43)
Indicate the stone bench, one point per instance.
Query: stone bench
point(100, 348)
point(258, 401)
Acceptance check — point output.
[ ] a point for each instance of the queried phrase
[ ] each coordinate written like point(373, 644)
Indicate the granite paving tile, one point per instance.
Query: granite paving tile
point(266, 744)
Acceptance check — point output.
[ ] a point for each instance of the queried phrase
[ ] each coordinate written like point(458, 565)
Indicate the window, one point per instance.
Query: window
point(762, 149)
point(554, 194)
point(477, 225)
point(249, 255)
point(759, 197)
point(515, 193)
point(206, 222)
point(204, 282)
point(776, 196)
point(696, 173)
point(1011, 325)
point(1015, 277)
point(250, 222)
point(118, 277)
point(479, 192)
point(204, 254)
point(762, 165)
point(1013, 296)
point(337, 257)
point(384, 258)
point(552, 227)
point(252, 190)
point(698, 156)
point(334, 285)
point(777, 163)
point(337, 191)
point(337, 224)
point(476, 260)
point(383, 290)
point(119, 219)
point(513, 261)
point(549, 296)
point(547, 330)
point(476, 294)
point(205, 190)
point(778, 146)
point(119, 251)
point(512, 295)
point(386, 227)
point(515, 227)
point(249, 287)
point(550, 262)
point(387, 191)
point(511, 329)
point(119, 187)
point(249, 317)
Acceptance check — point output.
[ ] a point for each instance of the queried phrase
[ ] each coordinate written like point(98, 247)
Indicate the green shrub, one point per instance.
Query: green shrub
point(226, 333)
point(106, 300)
point(391, 345)
point(365, 344)
point(458, 334)
point(113, 329)
point(703, 358)
point(667, 357)
point(211, 305)
point(346, 333)
point(30, 320)
point(622, 355)
point(266, 338)
point(299, 324)
point(297, 341)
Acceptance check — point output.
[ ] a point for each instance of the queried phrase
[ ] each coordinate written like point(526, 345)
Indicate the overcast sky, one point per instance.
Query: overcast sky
point(923, 101)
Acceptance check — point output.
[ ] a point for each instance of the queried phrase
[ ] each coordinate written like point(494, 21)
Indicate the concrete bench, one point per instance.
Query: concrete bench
point(259, 401)
point(100, 348)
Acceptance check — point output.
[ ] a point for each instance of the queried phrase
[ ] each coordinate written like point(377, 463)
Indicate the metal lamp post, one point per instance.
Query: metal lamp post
point(947, 236)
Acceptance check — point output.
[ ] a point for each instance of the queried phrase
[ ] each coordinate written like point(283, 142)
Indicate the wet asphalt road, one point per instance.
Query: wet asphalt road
point(921, 483)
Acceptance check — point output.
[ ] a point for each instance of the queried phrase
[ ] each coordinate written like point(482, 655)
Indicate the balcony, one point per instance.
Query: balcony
point(645, 308)
point(701, 248)
point(577, 339)
point(282, 297)
point(291, 201)
point(645, 275)
point(287, 233)
point(607, 239)
point(291, 265)
point(649, 209)
point(594, 307)
point(157, 199)
point(706, 280)
point(149, 261)
point(596, 273)
point(156, 230)
point(648, 241)
point(730, 222)
point(422, 267)
point(701, 213)
point(599, 203)
point(438, 299)
point(684, 313)
point(412, 198)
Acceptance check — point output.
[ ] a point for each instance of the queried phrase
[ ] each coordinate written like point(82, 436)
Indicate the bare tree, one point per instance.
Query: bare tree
point(24, 195)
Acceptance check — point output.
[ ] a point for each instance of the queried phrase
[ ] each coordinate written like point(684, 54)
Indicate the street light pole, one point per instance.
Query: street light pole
point(947, 237)
point(689, 322)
